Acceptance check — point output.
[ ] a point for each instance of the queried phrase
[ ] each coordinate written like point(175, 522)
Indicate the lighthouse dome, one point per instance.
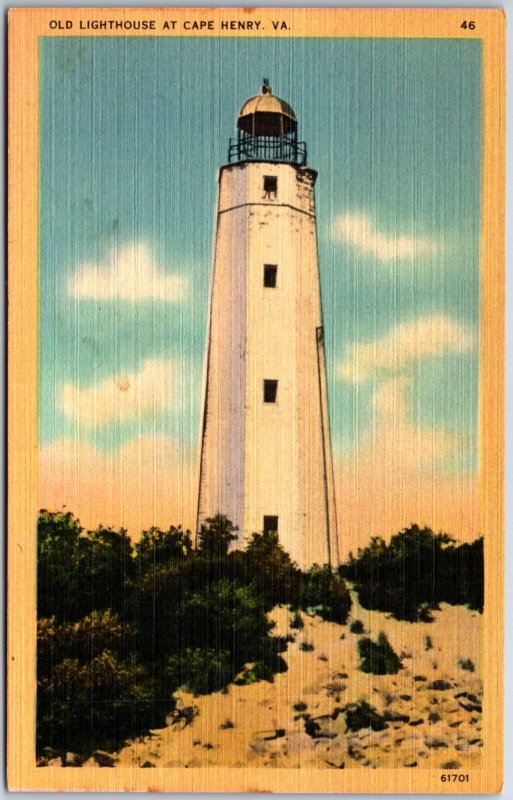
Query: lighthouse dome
point(266, 115)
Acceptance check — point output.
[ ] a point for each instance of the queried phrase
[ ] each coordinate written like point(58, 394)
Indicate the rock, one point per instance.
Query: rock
point(409, 762)
point(451, 765)
point(455, 724)
point(419, 678)
point(435, 742)
point(267, 736)
point(104, 759)
point(405, 697)
point(70, 760)
point(184, 715)
point(440, 685)
point(471, 706)
point(54, 762)
point(434, 717)
point(335, 764)
point(300, 742)
point(414, 722)
point(475, 741)
point(355, 753)
point(314, 729)
point(334, 688)
point(469, 696)
point(147, 764)
point(394, 716)
point(258, 746)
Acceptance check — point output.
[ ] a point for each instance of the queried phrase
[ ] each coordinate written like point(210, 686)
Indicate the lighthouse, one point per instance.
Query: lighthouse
point(265, 453)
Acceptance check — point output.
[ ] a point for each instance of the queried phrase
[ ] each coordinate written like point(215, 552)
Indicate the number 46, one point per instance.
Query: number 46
point(470, 25)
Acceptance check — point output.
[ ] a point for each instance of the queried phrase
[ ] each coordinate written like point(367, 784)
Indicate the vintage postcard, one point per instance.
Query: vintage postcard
point(256, 282)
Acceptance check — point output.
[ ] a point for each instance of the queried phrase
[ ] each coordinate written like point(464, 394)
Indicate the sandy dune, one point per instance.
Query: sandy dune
point(432, 706)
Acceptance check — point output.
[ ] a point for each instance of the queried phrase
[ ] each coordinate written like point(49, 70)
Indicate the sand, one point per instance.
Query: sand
point(432, 706)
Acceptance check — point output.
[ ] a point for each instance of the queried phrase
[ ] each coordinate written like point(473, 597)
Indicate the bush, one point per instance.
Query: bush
point(121, 628)
point(297, 621)
point(269, 570)
point(362, 715)
point(378, 657)
point(466, 664)
point(417, 571)
point(357, 626)
point(324, 590)
point(98, 704)
point(200, 671)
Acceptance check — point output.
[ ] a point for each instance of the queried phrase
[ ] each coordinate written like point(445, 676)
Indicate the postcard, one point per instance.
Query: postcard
point(256, 331)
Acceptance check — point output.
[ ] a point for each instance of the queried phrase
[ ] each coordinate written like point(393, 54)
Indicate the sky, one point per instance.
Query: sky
point(132, 133)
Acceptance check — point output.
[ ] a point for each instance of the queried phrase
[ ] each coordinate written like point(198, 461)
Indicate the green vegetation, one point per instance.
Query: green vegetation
point(122, 627)
point(362, 715)
point(378, 657)
point(415, 572)
point(297, 621)
point(356, 626)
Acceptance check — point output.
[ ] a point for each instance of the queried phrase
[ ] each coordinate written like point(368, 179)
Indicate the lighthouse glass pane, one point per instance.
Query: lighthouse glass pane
point(270, 524)
point(270, 272)
point(270, 391)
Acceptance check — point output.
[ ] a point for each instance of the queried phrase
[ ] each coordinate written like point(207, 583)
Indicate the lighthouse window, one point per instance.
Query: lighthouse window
point(270, 187)
point(270, 524)
point(270, 271)
point(270, 391)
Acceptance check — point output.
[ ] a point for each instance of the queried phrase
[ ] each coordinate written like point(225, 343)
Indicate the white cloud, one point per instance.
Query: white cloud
point(405, 343)
point(397, 475)
point(124, 395)
point(359, 231)
point(127, 274)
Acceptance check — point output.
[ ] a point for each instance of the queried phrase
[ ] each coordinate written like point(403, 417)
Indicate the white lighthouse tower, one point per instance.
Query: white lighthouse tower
point(265, 454)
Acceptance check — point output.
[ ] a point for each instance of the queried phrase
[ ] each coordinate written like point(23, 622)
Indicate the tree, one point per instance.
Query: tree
point(58, 564)
point(156, 548)
point(415, 572)
point(215, 537)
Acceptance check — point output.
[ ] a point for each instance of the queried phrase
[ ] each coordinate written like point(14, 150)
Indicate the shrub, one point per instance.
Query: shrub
point(362, 715)
point(357, 626)
point(156, 548)
point(325, 591)
point(199, 670)
point(415, 572)
point(297, 621)
point(466, 664)
point(215, 537)
point(428, 643)
point(307, 647)
point(269, 570)
point(86, 705)
point(378, 657)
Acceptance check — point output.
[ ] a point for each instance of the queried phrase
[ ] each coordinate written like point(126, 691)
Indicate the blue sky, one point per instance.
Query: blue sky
point(132, 132)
